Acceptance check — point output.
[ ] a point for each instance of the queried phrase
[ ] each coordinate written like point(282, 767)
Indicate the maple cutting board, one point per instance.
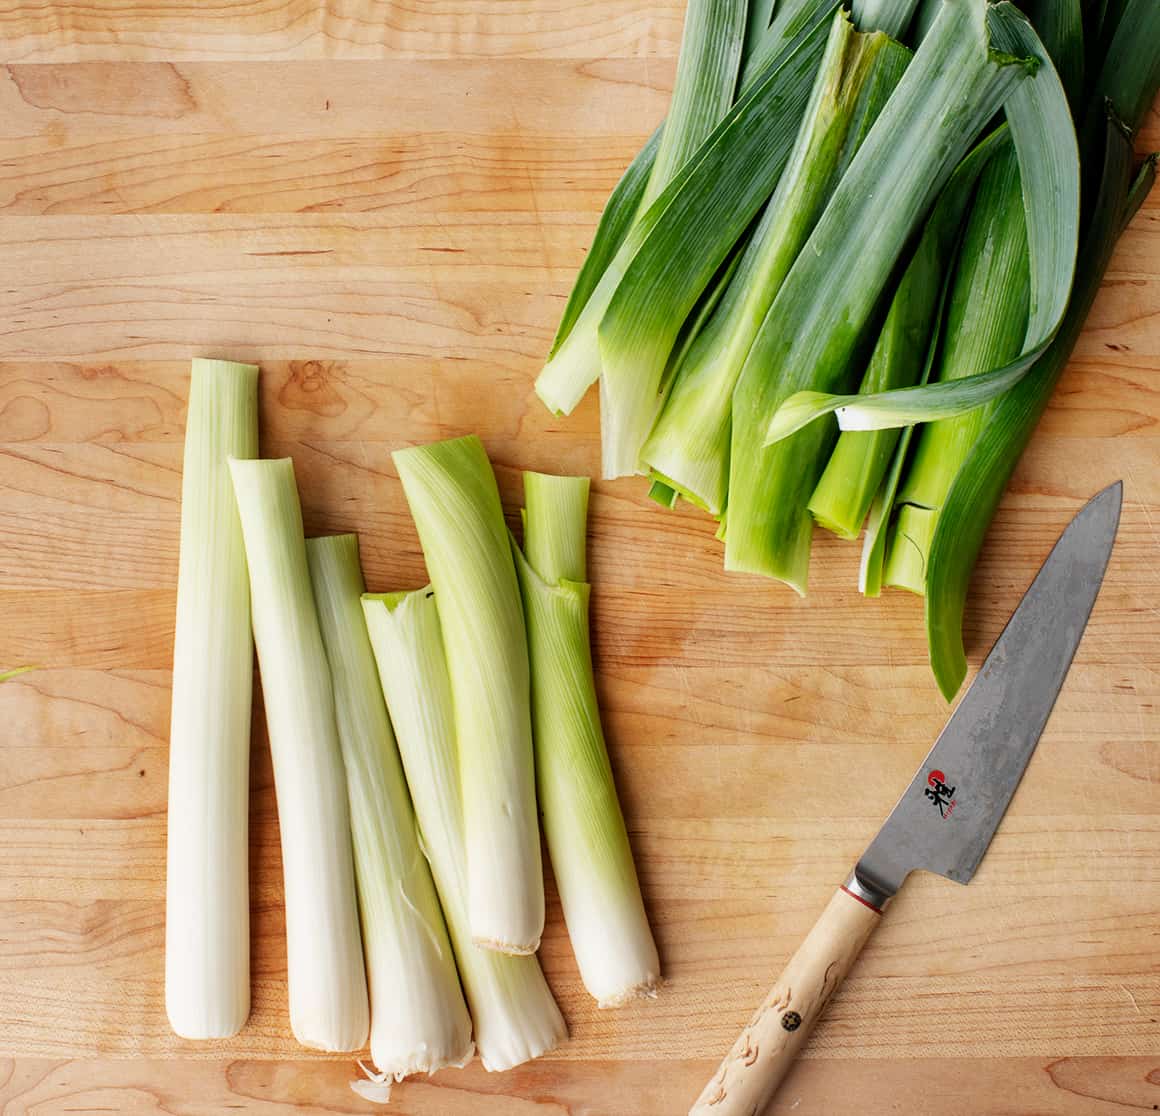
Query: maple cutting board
point(384, 204)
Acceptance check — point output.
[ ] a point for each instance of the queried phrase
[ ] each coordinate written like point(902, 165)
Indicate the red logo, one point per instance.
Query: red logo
point(939, 793)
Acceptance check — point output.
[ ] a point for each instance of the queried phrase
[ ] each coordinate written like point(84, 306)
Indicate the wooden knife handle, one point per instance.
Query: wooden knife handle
point(747, 1079)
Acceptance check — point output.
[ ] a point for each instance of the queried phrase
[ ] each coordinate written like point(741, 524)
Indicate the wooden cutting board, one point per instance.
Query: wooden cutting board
point(384, 204)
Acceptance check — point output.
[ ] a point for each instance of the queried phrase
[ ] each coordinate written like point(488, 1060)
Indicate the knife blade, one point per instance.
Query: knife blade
point(947, 816)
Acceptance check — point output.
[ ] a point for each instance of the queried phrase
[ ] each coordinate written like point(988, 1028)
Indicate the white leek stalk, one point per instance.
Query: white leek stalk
point(455, 504)
point(328, 991)
point(207, 894)
point(516, 1018)
point(419, 1022)
point(587, 839)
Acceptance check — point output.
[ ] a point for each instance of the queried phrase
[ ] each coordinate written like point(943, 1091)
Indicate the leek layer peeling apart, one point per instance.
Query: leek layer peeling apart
point(454, 501)
point(586, 836)
point(952, 87)
point(1045, 142)
point(514, 1014)
point(207, 900)
point(324, 957)
point(419, 1022)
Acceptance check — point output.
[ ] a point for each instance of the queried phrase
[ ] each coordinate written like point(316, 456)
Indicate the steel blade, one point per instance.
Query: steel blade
point(946, 818)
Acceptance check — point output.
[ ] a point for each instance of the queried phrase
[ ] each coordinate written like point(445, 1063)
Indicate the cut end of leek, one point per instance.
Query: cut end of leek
point(646, 990)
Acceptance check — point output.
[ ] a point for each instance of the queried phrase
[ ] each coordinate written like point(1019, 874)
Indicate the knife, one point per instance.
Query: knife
point(946, 818)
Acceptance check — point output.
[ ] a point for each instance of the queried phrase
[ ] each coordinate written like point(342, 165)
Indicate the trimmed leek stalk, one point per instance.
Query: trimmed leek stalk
point(952, 87)
point(419, 1022)
point(986, 322)
point(585, 831)
point(901, 357)
point(324, 957)
point(688, 447)
point(515, 1017)
point(454, 501)
point(207, 895)
point(674, 249)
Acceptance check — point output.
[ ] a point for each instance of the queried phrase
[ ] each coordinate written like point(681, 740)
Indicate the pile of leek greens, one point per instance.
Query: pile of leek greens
point(417, 738)
point(895, 212)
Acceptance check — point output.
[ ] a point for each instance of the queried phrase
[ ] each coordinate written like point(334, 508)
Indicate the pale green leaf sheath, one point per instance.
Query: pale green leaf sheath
point(452, 493)
point(951, 89)
point(706, 80)
point(419, 1022)
point(324, 957)
point(207, 894)
point(587, 840)
point(986, 324)
point(689, 444)
point(515, 1016)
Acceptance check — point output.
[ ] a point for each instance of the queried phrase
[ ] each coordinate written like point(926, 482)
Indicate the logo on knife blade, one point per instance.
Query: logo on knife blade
point(939, 793)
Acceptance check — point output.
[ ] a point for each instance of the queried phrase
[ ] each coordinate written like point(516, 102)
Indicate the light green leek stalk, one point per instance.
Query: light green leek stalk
point(514, 1014)
point(952, 87)
point(703, 211)
point(324, 957)
point(585, 831)
point(1045, 142)
point(207, 895)
point(419, 1022)
point(901, 356)
point(454, 501)
point(986, 323)
point(688, 447)
point(891, 17)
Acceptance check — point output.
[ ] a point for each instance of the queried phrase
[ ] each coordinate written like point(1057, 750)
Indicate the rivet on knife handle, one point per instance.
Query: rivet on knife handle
point(768, 1046)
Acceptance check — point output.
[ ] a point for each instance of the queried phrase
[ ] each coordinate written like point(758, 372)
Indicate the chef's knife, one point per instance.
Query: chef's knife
point(945, 820)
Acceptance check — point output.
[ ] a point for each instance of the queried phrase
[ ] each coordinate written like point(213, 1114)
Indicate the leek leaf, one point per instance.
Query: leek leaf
point(891, 17)
point(953, 86)
point(689, 443)
point(1045, 141)
point(979, 484)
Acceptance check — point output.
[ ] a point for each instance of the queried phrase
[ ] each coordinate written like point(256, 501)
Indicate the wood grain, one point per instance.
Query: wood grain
point(385, 204)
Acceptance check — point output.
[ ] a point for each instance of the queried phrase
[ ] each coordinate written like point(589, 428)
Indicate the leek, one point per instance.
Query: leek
point(688, 447)
point(324, 958)
point(514, 1014)
point(953, 86)
point(986, 321)
point(207, 896)
point(454, 501)
point(419, 1022)
point(586, 836)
